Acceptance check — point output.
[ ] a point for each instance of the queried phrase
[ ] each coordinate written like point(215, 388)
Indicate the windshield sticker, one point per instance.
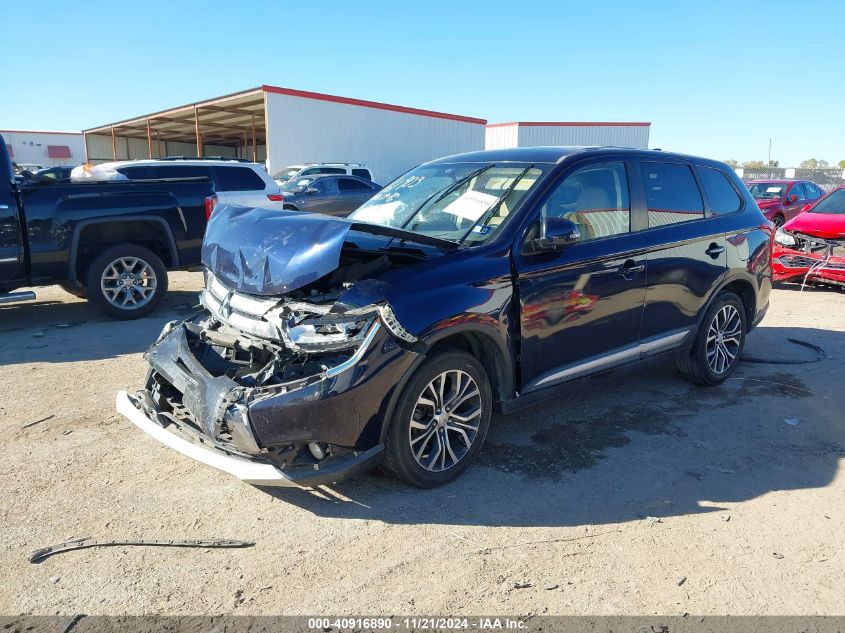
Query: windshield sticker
point(482, 230)
point(471, 205)
point(378, 213)
point(773, 190)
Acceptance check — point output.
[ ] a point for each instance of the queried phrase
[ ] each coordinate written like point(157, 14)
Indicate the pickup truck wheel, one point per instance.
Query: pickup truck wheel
point(718, 346)
point(440, 421)
point(126, 281)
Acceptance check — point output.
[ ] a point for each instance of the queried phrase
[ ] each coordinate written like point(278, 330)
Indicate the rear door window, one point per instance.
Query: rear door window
point(720, 193)
point(672, 194)
point(237, 179)
point(350, 184)
point(179, 171)
point(136, 173)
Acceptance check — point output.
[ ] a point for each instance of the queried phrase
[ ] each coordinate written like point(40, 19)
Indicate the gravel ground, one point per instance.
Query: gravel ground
point(638, 494)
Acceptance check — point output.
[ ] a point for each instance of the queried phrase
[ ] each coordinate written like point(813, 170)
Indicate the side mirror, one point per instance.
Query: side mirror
point(556, 234)
point(311, 190)
point(793, 198)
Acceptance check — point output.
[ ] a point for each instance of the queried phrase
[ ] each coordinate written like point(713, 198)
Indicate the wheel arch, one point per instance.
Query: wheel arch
point(122, 234)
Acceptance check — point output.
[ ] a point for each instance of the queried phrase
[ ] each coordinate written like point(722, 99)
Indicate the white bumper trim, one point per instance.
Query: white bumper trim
point(254, 473)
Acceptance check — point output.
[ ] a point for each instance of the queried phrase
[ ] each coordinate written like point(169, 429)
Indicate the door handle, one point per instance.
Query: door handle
point(631, 268)
point(714, 250)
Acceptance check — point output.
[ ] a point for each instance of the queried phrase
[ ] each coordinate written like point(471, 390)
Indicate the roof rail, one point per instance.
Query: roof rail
point(231, 158)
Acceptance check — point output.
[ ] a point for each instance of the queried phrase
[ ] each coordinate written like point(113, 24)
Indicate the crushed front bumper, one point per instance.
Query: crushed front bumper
point(791, 264)
point(253, 471)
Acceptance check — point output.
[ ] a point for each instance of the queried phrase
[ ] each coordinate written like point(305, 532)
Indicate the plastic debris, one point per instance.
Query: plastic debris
point(792, 421)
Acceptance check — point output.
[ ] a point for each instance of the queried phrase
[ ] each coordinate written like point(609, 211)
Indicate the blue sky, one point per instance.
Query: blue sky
point(715, 78)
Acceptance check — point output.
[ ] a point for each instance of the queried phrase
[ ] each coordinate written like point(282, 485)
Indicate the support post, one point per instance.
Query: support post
point(197, 129)
point(149, 138)
point(254, 147)
point(113, 145)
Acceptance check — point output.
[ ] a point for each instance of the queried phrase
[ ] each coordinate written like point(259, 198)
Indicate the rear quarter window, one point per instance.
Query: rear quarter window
point(671, 193)
point(721, 195)
point(361, 173)
point(237, 179)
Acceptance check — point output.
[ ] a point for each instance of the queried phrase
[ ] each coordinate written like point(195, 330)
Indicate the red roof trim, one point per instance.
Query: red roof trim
point(371, 104)
point(41, 132)
point(572, 124)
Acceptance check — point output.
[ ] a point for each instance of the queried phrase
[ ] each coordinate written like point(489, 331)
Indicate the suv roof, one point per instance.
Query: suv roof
point(189, 161)
point(557, 154)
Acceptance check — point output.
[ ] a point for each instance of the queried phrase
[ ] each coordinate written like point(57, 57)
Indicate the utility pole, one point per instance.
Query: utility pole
point(770, 152)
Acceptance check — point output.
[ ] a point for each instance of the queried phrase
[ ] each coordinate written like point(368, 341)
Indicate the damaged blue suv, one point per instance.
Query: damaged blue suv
point(473, 283)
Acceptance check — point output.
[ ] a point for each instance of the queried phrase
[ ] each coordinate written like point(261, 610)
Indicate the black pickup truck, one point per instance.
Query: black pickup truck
point(110, 242)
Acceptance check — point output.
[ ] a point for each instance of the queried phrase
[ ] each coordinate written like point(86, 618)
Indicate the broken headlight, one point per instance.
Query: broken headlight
point(785, 239)
point(331, 332)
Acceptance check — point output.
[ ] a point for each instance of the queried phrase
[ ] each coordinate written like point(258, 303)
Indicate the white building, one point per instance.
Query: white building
point(282, 127)
point(285, 127)
point(46, 149)
point(538, 133)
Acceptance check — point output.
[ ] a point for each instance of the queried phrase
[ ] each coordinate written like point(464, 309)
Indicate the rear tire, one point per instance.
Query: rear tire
point(433, 438)
point(126, 281)
point(719, 343)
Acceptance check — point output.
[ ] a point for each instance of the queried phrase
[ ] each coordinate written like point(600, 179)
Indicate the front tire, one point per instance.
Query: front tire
point(719, 343)
point(126, 281)
point(440, 421)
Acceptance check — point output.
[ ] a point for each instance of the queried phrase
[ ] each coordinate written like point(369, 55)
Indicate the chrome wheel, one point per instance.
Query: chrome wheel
point(723, 339)
point(445, 420)
point(128, 282)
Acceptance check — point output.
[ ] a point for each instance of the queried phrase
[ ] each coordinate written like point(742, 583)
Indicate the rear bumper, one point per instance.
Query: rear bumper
point(250, 470)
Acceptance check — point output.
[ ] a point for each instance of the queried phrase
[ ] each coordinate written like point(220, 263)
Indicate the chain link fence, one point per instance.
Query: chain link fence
point(827, 179)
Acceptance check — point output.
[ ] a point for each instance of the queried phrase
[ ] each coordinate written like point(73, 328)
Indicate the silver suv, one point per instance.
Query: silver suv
point(322, 169)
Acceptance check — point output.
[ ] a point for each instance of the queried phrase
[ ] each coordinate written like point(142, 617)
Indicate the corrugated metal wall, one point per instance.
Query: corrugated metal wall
point(616, 135)
point(100, 149)
point(31, 147)
point(311, 130)
point(501, 136)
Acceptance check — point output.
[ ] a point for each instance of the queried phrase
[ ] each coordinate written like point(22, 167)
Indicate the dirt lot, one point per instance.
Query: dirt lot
point(638, 494)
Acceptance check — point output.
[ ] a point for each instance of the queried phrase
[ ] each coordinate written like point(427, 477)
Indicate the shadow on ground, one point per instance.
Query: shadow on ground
point(53, 331)
point(632, 444)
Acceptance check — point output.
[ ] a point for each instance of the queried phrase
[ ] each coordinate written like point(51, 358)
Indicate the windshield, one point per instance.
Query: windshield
point(287, 173)
point(462, 203)
point(297, 185)
point(767, 190)
point(834, 203)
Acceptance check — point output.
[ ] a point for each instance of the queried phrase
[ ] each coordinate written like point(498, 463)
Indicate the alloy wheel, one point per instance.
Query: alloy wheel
point(723, 339)
point(445, 420)
point(128, 282)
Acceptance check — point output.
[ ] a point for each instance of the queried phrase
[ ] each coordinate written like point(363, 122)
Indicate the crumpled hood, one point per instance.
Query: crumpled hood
point(824, 225)
point(269, 252)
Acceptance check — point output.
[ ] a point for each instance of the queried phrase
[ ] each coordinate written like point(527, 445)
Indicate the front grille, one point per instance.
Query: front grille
point(800, 261)
point(242, 312)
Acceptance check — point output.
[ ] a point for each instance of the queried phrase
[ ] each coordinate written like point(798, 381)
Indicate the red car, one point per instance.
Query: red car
point(782, 200)
point(812, 245)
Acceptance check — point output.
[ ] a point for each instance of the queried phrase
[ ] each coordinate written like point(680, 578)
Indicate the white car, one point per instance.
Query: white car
point(235, 181)
point(322, 169)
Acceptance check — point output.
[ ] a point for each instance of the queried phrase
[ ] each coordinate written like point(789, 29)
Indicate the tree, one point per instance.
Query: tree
point(823, 164)
point(733, 163)
point(754, 164)
point(774, 163)
point(841, 164)
point(810, 163)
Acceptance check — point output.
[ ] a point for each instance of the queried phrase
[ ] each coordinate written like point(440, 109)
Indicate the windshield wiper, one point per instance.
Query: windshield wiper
point(404, 235)
point(445, 193)
point(486, 215)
